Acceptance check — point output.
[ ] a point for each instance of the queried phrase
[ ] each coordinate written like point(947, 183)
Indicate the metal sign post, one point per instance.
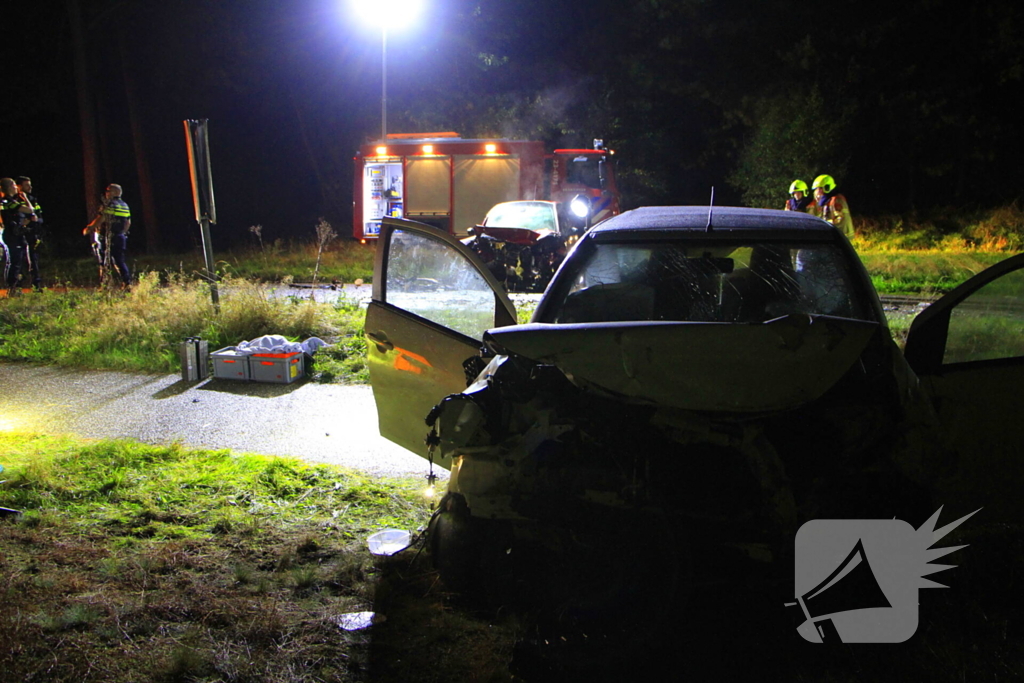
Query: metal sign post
point(198, 143)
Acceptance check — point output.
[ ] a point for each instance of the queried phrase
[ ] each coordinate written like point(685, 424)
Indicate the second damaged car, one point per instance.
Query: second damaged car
point(694, 384)
point(522, 243)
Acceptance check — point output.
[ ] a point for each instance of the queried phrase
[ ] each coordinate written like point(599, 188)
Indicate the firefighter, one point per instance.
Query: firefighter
point(832, 205)
point(15, 212)
point(34, 231)
point(800, 199)
point(109, 229)
point(4, 255)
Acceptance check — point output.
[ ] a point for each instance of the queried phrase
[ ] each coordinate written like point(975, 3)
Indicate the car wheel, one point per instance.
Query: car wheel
point(454, 544)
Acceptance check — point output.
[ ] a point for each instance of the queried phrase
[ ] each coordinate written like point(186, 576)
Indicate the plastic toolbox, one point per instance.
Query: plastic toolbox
point(230, 364)
point(280, 368)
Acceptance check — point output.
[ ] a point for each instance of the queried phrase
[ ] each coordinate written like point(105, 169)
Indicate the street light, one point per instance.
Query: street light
point(387, 14)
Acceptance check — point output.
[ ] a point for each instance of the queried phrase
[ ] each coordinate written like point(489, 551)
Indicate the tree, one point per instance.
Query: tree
point(795, 135)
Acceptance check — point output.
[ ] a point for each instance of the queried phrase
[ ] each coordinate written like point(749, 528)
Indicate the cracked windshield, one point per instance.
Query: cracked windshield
point(429, 278)
point(710, 282)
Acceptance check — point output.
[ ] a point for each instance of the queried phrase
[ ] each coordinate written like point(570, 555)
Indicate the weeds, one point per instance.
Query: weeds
point(325, 234)
point(950, 231)
point(141, 330)
point(73, 617)
point(925, 273)
point(342, 260)
point(185, 663)
point(304, 577)
point(258, 231)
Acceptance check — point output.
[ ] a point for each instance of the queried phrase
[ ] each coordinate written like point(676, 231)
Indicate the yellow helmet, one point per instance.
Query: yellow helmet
point(798, 186)
point(825, 182)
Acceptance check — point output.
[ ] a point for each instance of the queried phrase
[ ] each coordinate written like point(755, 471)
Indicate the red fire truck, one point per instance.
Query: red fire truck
point(449, 182)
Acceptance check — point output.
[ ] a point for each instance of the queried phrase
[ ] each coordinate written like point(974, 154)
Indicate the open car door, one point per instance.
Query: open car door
point(432, 301)
point(968, 350)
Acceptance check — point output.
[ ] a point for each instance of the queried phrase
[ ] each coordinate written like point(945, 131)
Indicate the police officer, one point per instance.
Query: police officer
point(111, 225)
point(15, 212)
point(832, 205)
point(34, 231)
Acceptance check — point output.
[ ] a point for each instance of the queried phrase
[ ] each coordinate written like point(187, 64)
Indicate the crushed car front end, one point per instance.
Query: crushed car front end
point(690, 379)
point(732, 381)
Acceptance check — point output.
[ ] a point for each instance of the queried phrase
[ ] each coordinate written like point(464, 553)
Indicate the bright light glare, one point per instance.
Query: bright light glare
point(389, 14)
point(580, 207)
point(430, 492)
point(428, 149)
point(382, 151)
point(491, 148)
point(19, 422)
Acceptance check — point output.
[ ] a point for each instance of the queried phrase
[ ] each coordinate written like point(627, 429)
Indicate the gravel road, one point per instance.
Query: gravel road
point(316, 422)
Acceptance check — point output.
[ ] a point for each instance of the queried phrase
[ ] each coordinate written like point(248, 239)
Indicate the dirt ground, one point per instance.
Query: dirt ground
point(731, 624)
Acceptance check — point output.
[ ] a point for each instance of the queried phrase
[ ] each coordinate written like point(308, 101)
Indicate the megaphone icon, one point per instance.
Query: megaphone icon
point(860, 601)
point(851, 586)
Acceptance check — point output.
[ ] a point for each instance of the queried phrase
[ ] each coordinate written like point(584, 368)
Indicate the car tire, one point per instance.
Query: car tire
point(454, 540)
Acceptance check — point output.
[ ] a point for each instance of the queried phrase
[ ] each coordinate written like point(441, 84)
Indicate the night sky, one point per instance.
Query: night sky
point(911, 107)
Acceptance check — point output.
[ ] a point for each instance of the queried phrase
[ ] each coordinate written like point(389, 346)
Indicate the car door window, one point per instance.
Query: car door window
point(431, 279)
point(988, 324)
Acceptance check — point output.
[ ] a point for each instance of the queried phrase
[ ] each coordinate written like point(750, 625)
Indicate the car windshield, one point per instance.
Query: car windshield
point(583, 169)
point(708, 282)
point(533, 215)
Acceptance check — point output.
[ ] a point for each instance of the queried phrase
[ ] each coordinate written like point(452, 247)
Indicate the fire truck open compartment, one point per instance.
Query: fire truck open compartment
point(382, 193)
point(451, 183)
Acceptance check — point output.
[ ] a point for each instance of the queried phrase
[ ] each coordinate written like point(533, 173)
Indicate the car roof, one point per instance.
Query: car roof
point(731, 218)
point(543, 202)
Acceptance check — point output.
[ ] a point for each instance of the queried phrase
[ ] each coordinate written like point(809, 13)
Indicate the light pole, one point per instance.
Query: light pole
point(383, 81)
point(393, 14)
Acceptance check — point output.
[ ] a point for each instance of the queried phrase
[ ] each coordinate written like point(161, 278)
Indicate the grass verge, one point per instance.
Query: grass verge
point(925, 273)
point(141, 330)
point(134, 562)
point(149, 563)
point(274, 261)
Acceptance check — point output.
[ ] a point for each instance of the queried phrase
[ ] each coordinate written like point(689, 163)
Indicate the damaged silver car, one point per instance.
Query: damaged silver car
point(692, 378)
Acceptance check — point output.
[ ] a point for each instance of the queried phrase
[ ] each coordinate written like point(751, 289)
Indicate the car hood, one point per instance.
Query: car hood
point(755, 367)
point(516, 235)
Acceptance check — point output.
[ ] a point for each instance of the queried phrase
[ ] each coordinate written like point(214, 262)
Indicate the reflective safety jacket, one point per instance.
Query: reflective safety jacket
point(806, 204)
point(836, 211)
point(35, 227)
point(114, 216)
point(14, 218)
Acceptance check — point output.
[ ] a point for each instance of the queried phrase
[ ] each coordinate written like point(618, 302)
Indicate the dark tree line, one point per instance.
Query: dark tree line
point(911, 105)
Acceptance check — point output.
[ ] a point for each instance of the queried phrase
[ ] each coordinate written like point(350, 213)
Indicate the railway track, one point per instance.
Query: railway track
point(907, 300)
